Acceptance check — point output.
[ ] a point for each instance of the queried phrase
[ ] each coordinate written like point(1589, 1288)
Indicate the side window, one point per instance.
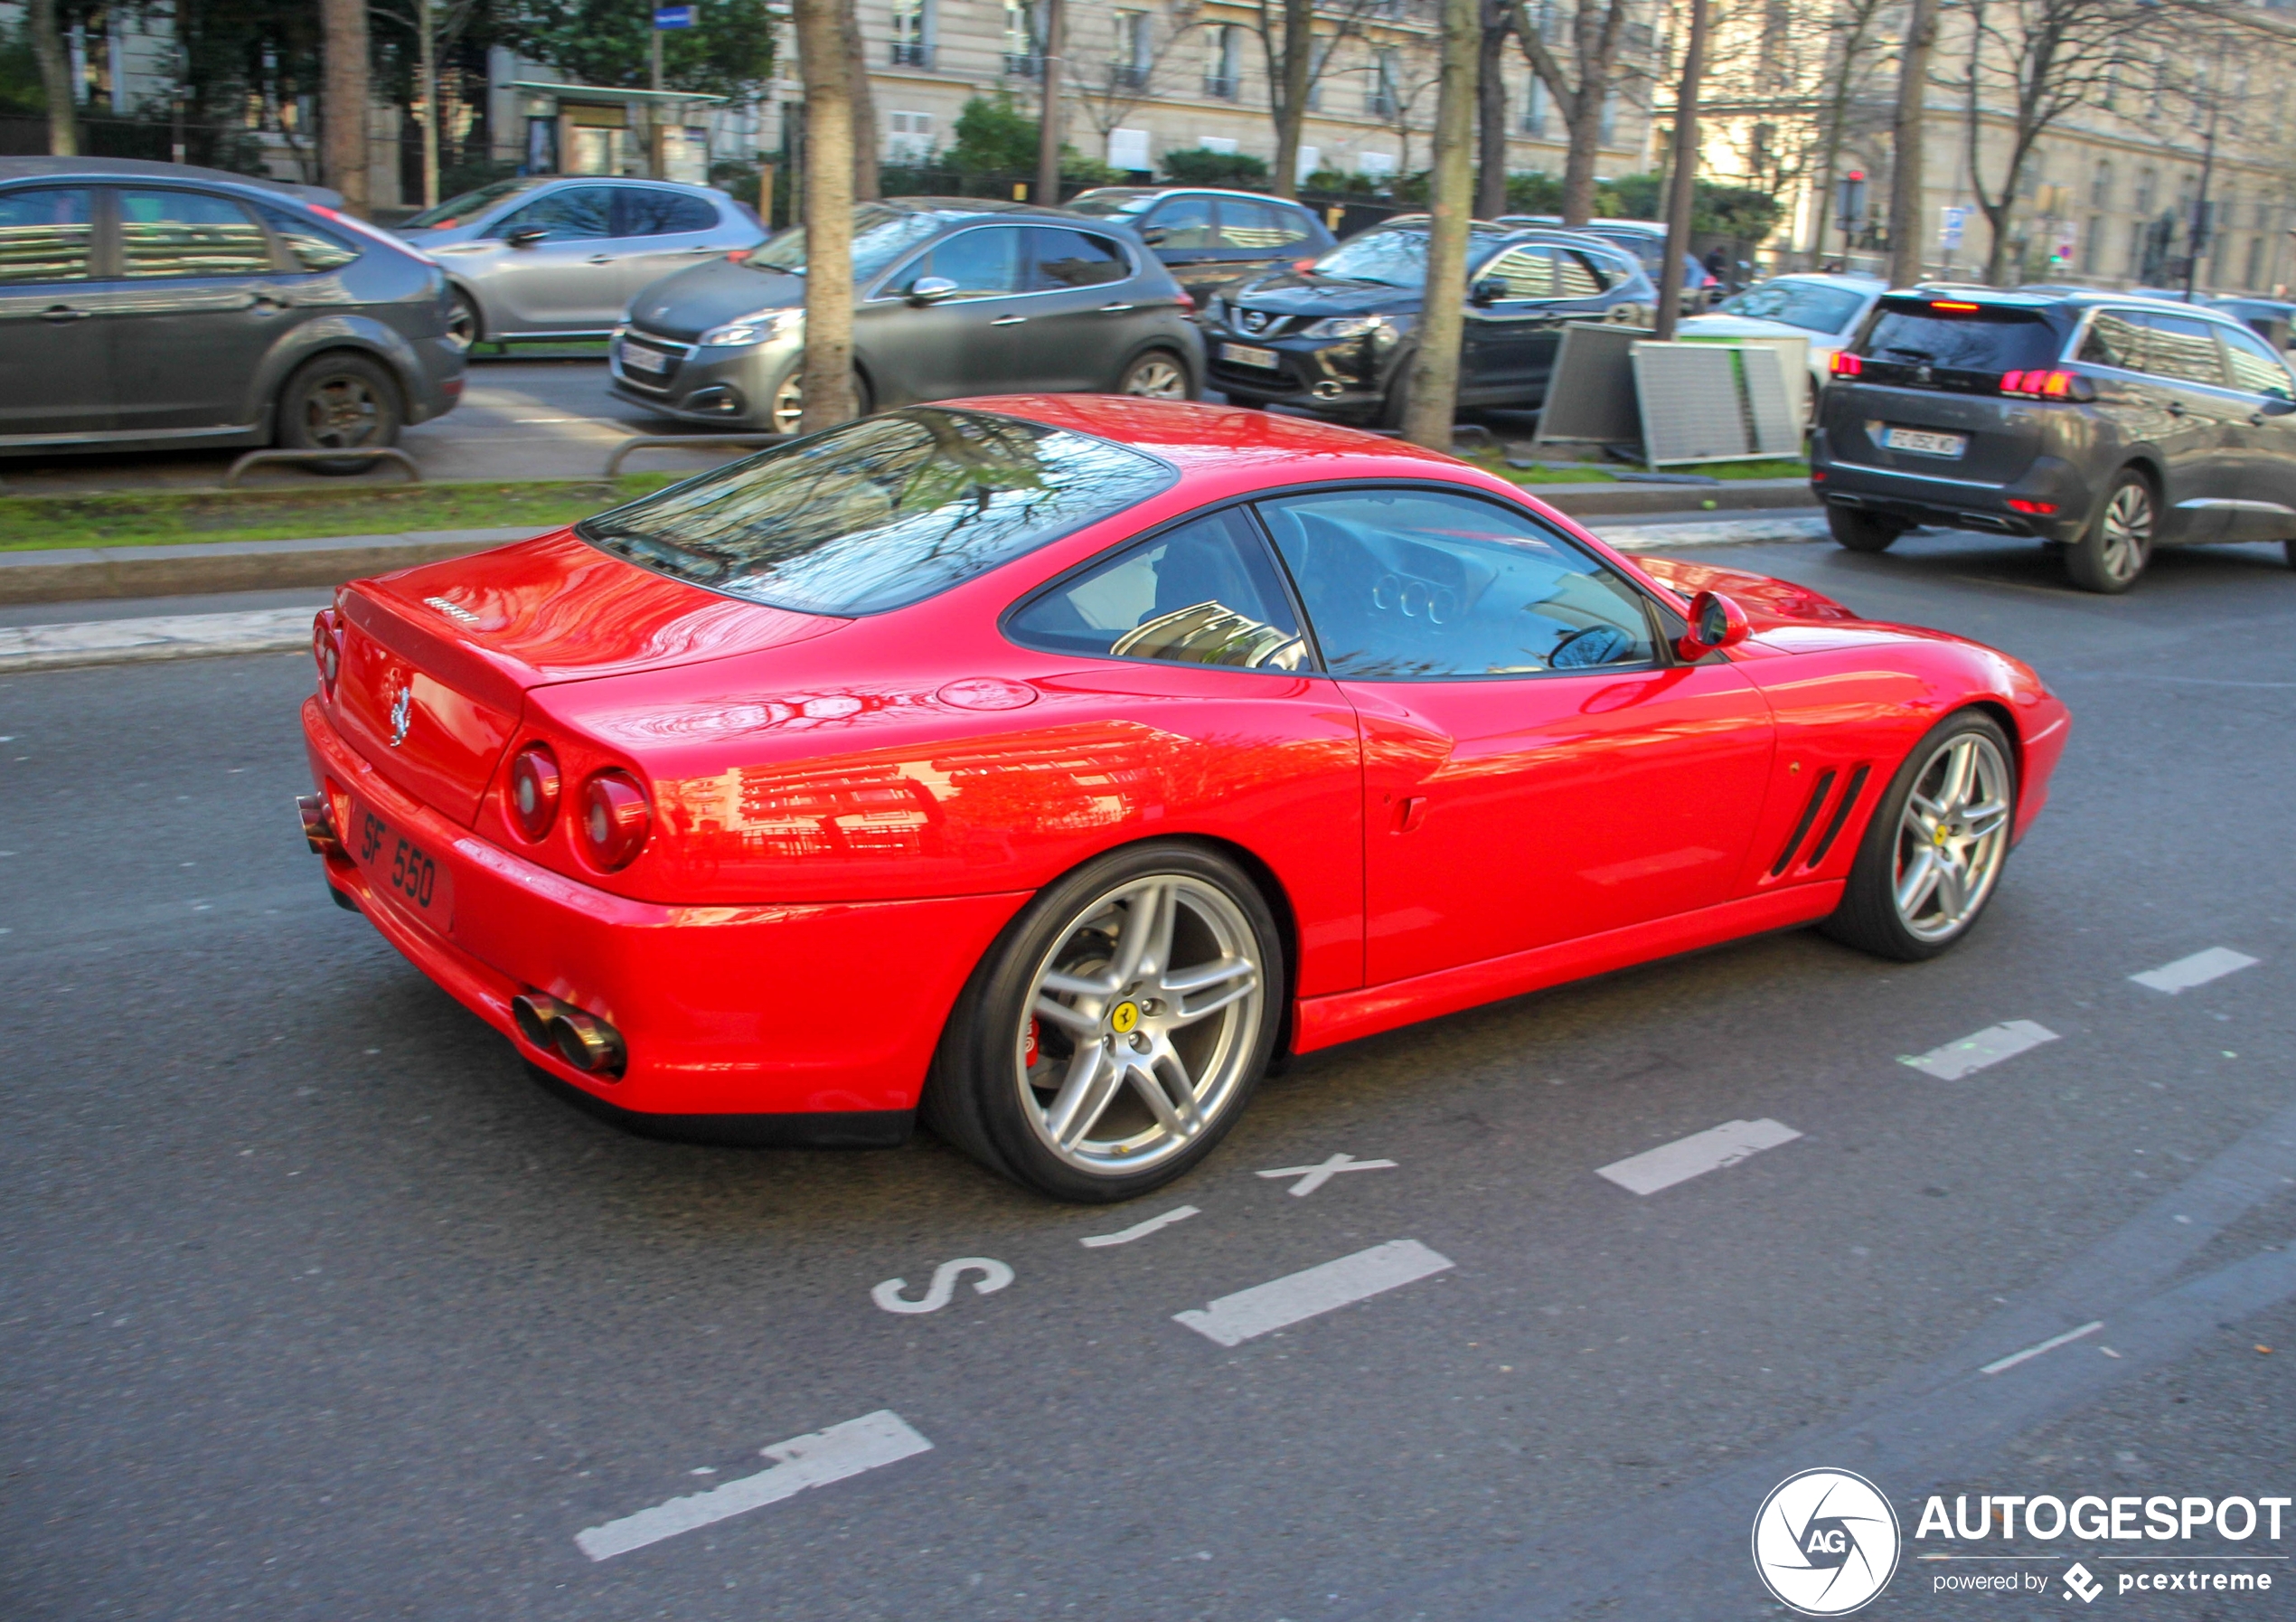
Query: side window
point(2255, 368)
point(1073, 258)
point(575, 214)
point(1576, 278)
point(649, 213)
point(45, 235)
point(2114, 340)
point(189, 233)
point(981, 263)
point(1254, 227)
point(1205, 593)
point(1186, 222)
point(311, 244)
point(1527, 272)
point(1417, 583)
point(2182, 348)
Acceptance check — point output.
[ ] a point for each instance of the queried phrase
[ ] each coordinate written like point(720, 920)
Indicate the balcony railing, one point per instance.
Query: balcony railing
point(1023, 66)
point(912, 55)
point(1128, 76)
point(1381, 105)
point(1222, 85)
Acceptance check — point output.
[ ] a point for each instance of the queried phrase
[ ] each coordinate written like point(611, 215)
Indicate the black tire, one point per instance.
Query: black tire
point(340, 402)
point(466, 325)
point(1869, 916)
point(2113, 551)
point(1396, 404)
point(2289, 546)
point(1861, 531)
point(975, 1098)
point(1158, 374)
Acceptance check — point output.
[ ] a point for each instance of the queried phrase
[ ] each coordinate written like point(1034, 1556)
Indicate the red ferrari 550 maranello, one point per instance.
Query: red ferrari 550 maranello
point(1048, 764)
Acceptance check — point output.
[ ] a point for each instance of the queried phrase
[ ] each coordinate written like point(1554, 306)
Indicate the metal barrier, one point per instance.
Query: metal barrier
point(373, 453)
point(664, 441)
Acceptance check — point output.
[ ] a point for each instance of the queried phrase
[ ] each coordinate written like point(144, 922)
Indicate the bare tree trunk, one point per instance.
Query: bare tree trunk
point(1490, 114)
point(1682, 183)
point(427, 90)
point(865, 157)
point(1432, 399)
point(1906, 168)
point(343, 99)
point(1052, 64)
point(1578, 162)
point(1298, 62)
point(56, 77)
point(826, 66)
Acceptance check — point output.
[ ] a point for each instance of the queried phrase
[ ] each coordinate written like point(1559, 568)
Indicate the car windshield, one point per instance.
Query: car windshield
point(454, 211)
point(1814, 305)
point(1394, 258)
point(1970, 338)
point(881, 512)
point(1112, 204)
point(881, 236)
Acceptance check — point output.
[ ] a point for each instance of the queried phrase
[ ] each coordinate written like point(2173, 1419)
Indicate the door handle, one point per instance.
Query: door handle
point(64, 312)
point(2255, 419)
point(1110, 309)
point(1008, 321)
point(599, 258)
point(2175, 408)
point(1410, 814)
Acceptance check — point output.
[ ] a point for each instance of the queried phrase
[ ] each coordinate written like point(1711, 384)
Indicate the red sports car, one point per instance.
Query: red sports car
point(1050, 764)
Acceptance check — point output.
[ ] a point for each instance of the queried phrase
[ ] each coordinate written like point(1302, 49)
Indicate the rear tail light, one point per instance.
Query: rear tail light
point(1846, 364)
point(1185, 301)
point(2047, 383)
point(615, 820)
point(326, 647)
point(2038, 509)
point(535, 790)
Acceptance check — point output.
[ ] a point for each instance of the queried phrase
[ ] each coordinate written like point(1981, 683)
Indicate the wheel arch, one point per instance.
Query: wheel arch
point(470, 290)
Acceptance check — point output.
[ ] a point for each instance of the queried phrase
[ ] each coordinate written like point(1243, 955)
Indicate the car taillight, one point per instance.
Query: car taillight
point(535, 790)
point(2038, 509)
point(1185, 301)
point(2046, 383)
point(1846, 364)
point(326, 648)
point(615, 820)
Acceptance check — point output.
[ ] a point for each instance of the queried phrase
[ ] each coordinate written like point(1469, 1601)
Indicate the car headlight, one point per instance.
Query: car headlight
point(1381, 329)
point(750, 331)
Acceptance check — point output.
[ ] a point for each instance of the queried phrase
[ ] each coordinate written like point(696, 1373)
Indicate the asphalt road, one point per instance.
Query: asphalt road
point(316, 1309)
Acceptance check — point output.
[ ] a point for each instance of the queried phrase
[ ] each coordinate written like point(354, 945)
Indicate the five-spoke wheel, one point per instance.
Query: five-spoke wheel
point(1155, 376)
point(2117, 545)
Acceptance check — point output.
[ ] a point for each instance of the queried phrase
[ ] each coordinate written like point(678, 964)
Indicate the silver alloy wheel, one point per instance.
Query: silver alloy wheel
point(462, 323)
point(2127, 532)
point(342, 413)
point(1156, 378)
point(1952, 837)
point(1140, 1024)
point(789, 403)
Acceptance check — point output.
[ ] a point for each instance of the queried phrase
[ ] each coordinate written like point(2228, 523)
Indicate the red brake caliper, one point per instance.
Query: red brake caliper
point(1029, 1052)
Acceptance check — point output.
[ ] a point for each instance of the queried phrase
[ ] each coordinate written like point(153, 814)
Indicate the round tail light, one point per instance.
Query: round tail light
point(615, 820)
point(326, 652)
point(535, 790)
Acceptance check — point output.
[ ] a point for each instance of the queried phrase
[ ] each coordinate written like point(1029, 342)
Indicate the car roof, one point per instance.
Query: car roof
point(960, 208)
point(1854, 278)
point(1192, 191)
point(13, 169)
point(2043, 296)
point(1191, 435)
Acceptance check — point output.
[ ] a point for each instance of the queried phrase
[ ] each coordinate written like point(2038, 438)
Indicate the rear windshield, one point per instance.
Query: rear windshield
point(881, 512)
point(1981, 340)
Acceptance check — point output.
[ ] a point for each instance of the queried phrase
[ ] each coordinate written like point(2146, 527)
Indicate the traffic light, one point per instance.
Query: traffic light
point(1851, 206)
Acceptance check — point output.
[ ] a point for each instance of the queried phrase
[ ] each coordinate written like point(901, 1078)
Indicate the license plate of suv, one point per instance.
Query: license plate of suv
point(1921, 441)
point(1244, 355)
point(637, 359)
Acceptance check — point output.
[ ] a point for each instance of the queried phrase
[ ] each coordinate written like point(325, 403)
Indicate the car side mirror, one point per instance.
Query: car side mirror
point(1491, 289)
point(930, 289)
point(524, 236)
point(2277, 405)
point(1154, 236)
point(1716, 622)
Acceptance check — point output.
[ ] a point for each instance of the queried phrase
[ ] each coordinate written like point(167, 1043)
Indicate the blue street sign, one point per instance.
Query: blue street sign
point(673, 16)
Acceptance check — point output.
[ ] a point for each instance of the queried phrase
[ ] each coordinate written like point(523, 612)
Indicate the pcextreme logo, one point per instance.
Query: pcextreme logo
point(1825, 1541)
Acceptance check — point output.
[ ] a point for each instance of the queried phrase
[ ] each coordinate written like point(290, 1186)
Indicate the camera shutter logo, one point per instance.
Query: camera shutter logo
point(1825, 1541)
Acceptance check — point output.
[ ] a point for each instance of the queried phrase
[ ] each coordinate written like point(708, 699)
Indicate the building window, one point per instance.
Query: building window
point(2101, 187)
point(1224, 75)
point(1534, 121)
point(909, 138)
point(1128, 151)
point(1386, 85)
point(913, 34)
point(2136, 248)
point(1606, 132)
point(2256, 277)
point(1020, 56)
point(2146, 180)
point(1128, 68)
point(2092, 247)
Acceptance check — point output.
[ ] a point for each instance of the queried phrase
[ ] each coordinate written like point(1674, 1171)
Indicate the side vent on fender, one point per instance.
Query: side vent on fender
point(1818, 792)
point(1840, 816)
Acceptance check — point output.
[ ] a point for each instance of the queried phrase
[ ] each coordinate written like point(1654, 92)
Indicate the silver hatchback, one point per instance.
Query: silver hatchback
point(561, 255)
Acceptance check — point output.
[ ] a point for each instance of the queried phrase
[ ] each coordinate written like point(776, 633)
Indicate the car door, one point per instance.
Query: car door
point(658, 230)
point(2201, 436)
point(1183, 232)
point(972, 339)
point(1254, 238)
point(1537, 767)
point(1513, 326)
point(2267, 438)
point(567, 280)
point(1082, 315)
point(206, 305)
point(55, 352)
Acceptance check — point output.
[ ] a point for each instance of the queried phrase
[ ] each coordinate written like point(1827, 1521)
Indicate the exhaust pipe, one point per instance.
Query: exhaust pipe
point(318, 829)
point(575, 1035)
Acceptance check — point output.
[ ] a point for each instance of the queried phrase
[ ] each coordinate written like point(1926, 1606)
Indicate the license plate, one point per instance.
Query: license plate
point(635, 359)
point(1921, 442)
point(410, 875)
point(1244, 355)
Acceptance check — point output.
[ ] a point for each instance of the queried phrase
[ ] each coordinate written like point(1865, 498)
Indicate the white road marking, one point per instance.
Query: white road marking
point(1988, 1046)
point(1234, 1319)
point(1124, 1236)
point(1312, 1177)
point(2198, 970)
point(995, 1277)
point(1693, 1156)
point(814, 1459)
point(2050, 1345)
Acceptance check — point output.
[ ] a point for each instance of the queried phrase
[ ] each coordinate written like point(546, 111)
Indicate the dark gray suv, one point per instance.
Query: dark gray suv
point(2101, 425)
point(952, 297)
point(147, 304)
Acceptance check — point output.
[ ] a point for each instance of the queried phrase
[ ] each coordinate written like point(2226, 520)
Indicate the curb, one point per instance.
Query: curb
point(85, 573)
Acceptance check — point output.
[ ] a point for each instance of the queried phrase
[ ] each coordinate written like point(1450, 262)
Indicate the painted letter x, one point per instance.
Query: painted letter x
point(1312, 1177)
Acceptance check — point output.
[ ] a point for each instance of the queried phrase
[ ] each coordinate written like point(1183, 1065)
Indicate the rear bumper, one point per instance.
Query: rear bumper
point(1942, 502)
point(758, 1024)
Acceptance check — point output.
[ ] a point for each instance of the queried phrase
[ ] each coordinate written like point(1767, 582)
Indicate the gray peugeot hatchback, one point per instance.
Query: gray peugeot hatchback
point(2103, 425)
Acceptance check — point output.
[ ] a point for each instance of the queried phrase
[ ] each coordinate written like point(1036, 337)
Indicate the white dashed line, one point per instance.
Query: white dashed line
point(1988, 1046)
point(1692, 1156)
point(1312, 1177)
point(1124, 1236)
point(1297, 1296)
point(814, 1459)
point(2050, 1345)
point(2198, 970)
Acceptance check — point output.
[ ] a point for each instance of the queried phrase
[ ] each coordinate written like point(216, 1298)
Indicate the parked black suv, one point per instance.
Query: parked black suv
point(1209, 240)
point(1337, 337)
point(2101, 424)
